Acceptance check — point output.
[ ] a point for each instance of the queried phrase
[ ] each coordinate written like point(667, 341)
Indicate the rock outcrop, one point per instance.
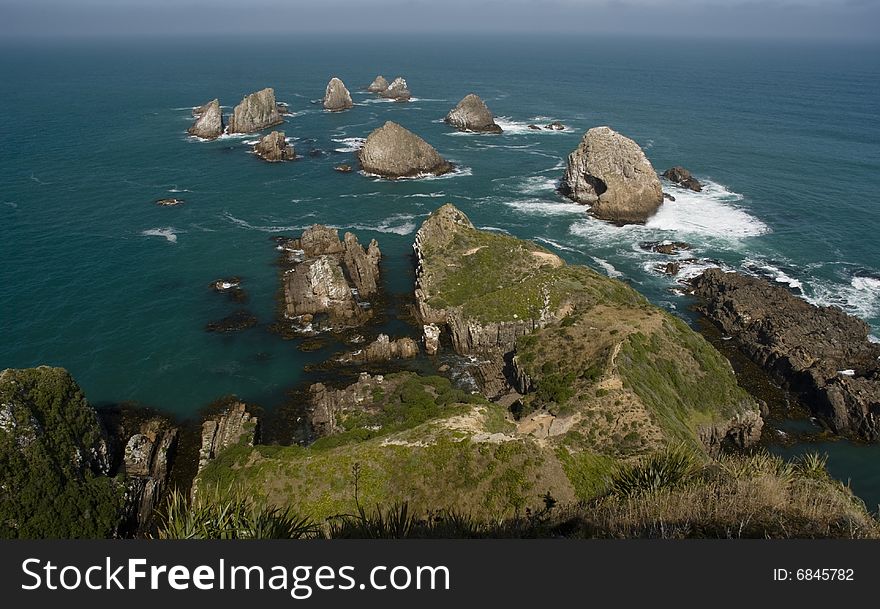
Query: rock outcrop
point(394, 152)
point(343, 168)
point(330, 406)
point(820, 352)
point(147, 459)
point(337, 97)
point(378, 85)
point(397, 90)
point(610, 173)
point(170, 202)
point(432, 338)
point(256, 112)
point(274, 148)
point(682, 177)
point(472, 114)
point(234, 426)
point(327, 282)
point(383, 349)
point(555, 126)
point(209, 121)
point(670, 248)
point(234, 322)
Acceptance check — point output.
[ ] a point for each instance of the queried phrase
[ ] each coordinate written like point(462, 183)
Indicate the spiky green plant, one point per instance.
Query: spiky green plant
point(665, 469)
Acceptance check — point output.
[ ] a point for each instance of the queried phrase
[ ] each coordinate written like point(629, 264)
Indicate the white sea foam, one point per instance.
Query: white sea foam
point(428, 195)
point(847, 372)
point(11, 204)
point(514, 127)
point(175, 189)
point(494, 229)
point(349, 144)
point(773, 272)
point(861, 297)
point(457, 172)
point(711, 213)
point(555, 244)
point(169, 233)
point(607, 267)
point(398, 224)
point(537, 184)
point(264, 228)
point(544, 207)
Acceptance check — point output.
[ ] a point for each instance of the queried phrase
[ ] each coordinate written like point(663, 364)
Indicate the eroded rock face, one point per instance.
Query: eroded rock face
point(147, 459)
point(235, 425)
point(741, 431)
point(397, 90)
point(209, 121)
point(383, 349)
point(610, 173)
point(378, 85)
point(472, 114)
point(682, 177)
point(329, 406)
point(820, 352)
point(394, 152)
point(432, 338)
point(337, 97)
point(256, 112)
point(327, 282)
point(274, 148)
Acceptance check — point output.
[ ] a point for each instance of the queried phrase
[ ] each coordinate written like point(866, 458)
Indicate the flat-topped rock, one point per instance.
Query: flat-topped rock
point(337, 97)
point(394, 152)
point(256, 112)
point(610, 173)
point(209, 121)
point(472, 114)
point(274, 148)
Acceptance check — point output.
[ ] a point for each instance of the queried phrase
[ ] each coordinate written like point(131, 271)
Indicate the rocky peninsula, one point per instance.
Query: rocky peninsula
point(394, 152)
point(610, 173)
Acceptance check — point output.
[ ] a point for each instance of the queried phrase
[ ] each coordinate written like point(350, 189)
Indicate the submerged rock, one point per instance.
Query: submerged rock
point(209, 121)
point(555, 126)
point(472, 114)
point(378, 85)
point(274, 148)
point(397, 90)
point(610, 173)
point(231, 287)
point(682, 177)
point(256, 112)
point(383, 349)
point(337, 97)
point(326, 282)
point(240, 320)
point(534, 127)
point(170, 202)
point(343, 168)
point(394, 152)
point(802, 346)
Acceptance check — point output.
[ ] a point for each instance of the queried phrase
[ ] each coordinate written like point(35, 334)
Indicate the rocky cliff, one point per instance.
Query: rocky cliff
point(147, 459)
point(209, 121)
point(394, 152)
point(472, 114)
point(274, 148)
point(611, 174)
point(337, 97)
point(256, 112)
point(820, 352)
point(327, 283)
point(232, 427)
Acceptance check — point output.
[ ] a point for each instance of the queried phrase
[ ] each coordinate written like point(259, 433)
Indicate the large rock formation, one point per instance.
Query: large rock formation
point(274, 147)
point(820, 352)
point(337, 97)
point(472, 114)
point(682, 177)
point(209, 121)
point(330, 406)
point(256, 112)
point(397, 90)
point(378, 85)
point(147, 458)
point(233, 426)
point(327, 282)
point(610, 173)
point(383, 349)
point(394, 152)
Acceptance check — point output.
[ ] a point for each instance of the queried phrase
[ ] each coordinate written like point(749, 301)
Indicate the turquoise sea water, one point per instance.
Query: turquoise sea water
point(98, 279)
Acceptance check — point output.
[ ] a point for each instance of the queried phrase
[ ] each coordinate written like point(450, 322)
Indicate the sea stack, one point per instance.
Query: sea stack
point(682, 177)
point(274, 148)
point(610, 173)
point(472, 114)
point(256, 112)
point(378, 85)
point(337, 97)
point(394, 152)
point(209, 121)
point(397, 90)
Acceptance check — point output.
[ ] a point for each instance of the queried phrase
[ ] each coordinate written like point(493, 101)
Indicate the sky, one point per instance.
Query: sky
point(857, 20)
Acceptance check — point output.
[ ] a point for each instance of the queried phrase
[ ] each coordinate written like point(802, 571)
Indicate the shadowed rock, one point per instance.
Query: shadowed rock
point(274, 148)
point(209, 121)
point(682, 177)
point(232, 427)
point(472, 114)
point(394, 152)
point(378, 85)
point(256, 111)
point(610, 173)
point(337, 97)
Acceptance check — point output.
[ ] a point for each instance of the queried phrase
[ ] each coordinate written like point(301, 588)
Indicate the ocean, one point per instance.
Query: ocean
point(98, 279)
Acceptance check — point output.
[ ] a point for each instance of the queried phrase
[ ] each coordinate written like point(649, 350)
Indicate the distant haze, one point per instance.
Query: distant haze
point(803, 19)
